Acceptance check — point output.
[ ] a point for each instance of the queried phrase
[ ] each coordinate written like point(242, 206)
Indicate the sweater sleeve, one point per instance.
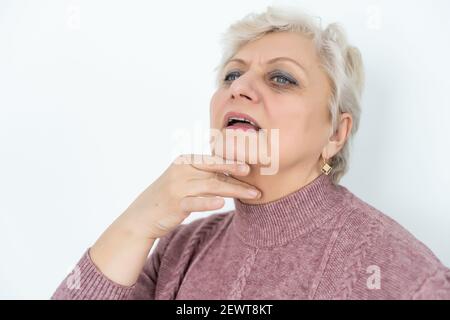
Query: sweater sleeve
point(87, 282)
point(435, 287)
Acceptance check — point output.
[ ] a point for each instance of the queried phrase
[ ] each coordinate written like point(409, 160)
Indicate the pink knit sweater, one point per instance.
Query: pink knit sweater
point(320, 242)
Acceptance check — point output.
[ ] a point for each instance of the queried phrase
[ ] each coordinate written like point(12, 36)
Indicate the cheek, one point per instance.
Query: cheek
point(300, 135)
point(215, 107)
point(293, 141)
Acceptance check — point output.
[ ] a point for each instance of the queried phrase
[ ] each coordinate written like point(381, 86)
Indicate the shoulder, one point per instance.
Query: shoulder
point(384, 259)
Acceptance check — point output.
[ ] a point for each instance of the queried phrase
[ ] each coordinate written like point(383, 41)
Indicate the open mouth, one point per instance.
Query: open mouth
point(241, 121)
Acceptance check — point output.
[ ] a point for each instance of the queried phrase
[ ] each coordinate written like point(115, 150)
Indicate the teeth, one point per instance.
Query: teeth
point(242, 119)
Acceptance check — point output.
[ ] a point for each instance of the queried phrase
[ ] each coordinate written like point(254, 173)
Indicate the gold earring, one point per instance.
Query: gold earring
point(326, 168)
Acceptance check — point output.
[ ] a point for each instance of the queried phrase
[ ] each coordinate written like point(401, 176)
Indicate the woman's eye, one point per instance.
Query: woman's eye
point(280, 79)
point(232, 76)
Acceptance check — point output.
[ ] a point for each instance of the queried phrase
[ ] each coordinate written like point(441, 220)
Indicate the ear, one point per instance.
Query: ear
point(338, 139)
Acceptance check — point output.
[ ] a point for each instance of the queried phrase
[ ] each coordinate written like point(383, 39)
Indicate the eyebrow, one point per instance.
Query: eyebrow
point(271, 61)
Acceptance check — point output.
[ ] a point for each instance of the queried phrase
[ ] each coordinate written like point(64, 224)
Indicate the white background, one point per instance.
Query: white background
point(91, 93)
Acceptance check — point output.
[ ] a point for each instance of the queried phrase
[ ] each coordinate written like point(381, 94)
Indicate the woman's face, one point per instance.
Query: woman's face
point(278, 82)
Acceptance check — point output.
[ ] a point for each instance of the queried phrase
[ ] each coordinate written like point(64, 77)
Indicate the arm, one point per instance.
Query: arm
point(88, 282)
point(109, 269)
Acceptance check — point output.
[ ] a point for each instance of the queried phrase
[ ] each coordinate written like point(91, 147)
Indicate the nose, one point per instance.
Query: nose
point(243, 87)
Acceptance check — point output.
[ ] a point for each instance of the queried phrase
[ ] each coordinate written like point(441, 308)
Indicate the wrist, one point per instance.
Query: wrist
point(130, 224)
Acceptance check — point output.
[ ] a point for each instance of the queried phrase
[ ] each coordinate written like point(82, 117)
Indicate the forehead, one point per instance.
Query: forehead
point(288, 44)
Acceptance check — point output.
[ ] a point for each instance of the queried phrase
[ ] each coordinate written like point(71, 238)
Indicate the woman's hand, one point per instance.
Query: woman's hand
point(183, 188)
point(186, 186)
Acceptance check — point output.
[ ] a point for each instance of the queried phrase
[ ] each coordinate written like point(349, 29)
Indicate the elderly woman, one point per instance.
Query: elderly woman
point(295, 232)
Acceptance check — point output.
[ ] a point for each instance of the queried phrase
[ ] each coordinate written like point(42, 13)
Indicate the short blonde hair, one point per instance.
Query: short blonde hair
point(341, 62)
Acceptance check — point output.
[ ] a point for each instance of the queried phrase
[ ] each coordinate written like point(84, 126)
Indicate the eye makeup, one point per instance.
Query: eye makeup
point(286, 78)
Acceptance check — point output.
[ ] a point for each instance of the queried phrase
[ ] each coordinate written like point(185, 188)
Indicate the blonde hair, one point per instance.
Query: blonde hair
point(341, 62)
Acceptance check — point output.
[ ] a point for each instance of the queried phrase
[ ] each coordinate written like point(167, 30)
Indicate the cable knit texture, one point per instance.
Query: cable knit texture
point(319, 242)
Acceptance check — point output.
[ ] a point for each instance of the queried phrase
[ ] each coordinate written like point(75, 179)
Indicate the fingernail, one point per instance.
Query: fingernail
point(243, 168)
point(253, 193)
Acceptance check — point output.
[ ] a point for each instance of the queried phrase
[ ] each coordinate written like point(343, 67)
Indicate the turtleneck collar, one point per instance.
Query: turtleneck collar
point(277, 222)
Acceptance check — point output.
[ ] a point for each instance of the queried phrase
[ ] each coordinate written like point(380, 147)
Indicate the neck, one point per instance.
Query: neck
point(286, 181)
point(295, 214)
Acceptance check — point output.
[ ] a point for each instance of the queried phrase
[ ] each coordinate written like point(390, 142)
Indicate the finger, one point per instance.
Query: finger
point(225, 178)
point(196, 204)
point(218, 164)
point(223, 188)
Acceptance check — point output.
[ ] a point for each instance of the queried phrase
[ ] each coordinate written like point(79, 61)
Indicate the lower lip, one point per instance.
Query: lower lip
point(242, 126)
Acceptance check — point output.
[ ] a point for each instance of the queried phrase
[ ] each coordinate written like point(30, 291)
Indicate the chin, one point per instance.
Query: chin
point(235, 153)
point(251, 147)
